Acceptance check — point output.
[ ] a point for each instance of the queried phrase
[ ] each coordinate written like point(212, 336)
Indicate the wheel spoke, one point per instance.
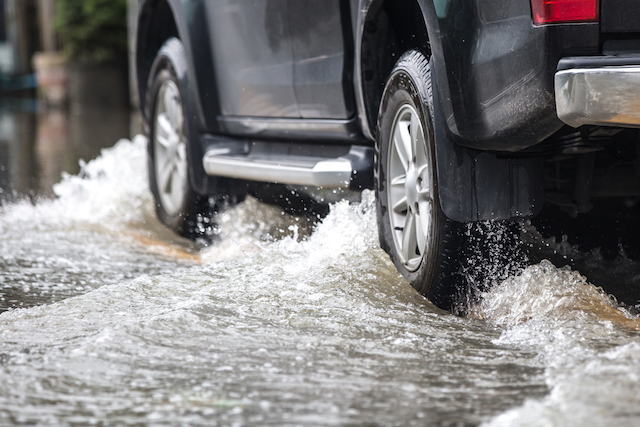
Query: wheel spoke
point(414, 135)
point(176, 114)
point(424, 195)
point(401, 205)
point(160, 155)
point(166, 175)
point(405, 133)
point(400, 147)
point(423, 169)
point(179, 119)
point(421, 238)
point(167, 161)
point(176, 187)
point(172, 114)
point(399, 181)
point(164, 130)
point(167, 101)
point(164, 142)
point(409, 238)
point(181, 162)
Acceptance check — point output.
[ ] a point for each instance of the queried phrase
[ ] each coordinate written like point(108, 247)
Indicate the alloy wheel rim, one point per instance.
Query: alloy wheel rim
point(170, 148)
point(410, 187)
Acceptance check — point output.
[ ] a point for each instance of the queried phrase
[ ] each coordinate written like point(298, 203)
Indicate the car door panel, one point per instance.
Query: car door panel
point(253, 57)
point(323, 58)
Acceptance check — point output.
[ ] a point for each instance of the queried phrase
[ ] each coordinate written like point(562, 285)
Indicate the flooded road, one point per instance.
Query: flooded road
point(110, 319)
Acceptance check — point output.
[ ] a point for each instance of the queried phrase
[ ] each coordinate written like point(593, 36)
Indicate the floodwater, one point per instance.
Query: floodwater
point(110, 319)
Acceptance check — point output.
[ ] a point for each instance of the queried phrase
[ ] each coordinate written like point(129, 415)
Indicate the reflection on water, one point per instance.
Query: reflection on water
point(38, 146)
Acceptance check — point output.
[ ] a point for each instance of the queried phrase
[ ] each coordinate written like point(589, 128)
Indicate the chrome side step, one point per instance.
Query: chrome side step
point(286, 169)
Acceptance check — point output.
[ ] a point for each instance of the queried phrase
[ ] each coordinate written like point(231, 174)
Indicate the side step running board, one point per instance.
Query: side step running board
point(339, 172)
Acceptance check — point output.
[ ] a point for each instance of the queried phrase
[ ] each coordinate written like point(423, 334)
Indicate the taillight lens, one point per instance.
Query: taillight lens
point(560, 11)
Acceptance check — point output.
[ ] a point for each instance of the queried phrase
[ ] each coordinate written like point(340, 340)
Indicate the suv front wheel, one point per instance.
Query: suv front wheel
point(177, 205)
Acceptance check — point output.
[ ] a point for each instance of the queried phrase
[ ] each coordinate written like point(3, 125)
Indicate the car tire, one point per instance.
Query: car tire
point(422, 243)
point(177, 205)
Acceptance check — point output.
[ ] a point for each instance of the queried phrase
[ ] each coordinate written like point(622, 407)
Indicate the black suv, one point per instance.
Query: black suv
point(455, 111)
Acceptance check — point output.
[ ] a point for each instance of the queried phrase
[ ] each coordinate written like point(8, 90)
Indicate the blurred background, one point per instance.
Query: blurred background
point(66, 89)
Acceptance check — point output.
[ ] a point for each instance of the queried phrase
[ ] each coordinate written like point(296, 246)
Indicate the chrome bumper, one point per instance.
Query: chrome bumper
point(608, 96)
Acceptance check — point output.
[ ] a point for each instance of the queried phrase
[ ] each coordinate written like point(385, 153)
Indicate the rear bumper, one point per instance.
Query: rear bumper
point(599, 91)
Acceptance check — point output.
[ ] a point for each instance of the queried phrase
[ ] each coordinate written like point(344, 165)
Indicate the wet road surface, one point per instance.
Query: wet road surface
point(108, 318)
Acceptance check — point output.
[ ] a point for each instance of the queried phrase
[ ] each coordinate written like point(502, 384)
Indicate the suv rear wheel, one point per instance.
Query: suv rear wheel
point(422, 243)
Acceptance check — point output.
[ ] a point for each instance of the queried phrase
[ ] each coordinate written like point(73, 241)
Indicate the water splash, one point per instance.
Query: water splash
point(542, 292)
point(492, 252)
point(285, 321)
point(110, 190)
point(586, 342)
point(619, 275)
point(99, 229)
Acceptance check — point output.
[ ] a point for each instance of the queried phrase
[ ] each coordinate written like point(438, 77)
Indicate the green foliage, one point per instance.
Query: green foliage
point(92, 30)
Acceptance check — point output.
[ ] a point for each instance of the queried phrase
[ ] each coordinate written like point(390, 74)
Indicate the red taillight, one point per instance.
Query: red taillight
point(559, 11)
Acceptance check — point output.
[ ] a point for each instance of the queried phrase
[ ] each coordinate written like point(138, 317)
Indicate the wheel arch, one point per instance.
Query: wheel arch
point(473, 187)
point(388, 29)
point(155, 25)
point(160, 20)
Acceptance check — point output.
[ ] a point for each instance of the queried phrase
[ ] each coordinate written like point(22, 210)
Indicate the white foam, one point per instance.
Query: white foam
point(287, 309)
point(110, 190)
point(591, 360)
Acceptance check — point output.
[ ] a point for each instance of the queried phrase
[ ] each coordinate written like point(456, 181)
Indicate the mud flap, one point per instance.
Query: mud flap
point(477, 185)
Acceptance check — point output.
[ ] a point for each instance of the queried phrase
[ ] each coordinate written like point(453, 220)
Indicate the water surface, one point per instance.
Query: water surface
point(109, 318)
